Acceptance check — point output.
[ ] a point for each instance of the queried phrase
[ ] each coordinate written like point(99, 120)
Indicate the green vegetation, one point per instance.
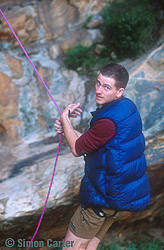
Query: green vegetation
point(142, 244)
point(129, 29)
point(85, 59)
point(87, 21)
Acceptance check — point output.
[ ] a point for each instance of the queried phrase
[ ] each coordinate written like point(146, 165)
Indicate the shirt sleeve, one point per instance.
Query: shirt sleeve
point(102, 131)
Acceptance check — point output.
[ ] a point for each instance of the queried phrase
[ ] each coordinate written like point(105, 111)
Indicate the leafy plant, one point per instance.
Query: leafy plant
point(86, 60)
point(80, 57)
point(87, 21)
point(130, 28)
point(141, 244)
point(127, 28)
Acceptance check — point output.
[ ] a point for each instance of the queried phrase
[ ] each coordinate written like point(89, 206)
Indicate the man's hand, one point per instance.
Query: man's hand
point(59, 127)
point(72, 110)
point(64, 124)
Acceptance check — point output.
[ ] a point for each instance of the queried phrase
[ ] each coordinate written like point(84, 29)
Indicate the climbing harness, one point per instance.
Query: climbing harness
point(41, 217)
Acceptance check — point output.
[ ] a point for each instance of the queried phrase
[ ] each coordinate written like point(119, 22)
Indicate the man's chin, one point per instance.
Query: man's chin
point(100, 102)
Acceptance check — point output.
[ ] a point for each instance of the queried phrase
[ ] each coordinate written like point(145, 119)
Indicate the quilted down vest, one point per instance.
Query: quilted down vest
point(115, 174)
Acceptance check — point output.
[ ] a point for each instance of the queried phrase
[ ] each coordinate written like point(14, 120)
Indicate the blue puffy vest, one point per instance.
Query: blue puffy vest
point(115, 174)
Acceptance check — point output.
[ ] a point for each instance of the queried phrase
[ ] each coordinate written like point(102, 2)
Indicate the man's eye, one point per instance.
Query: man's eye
point(97, 83)
point(107, 88)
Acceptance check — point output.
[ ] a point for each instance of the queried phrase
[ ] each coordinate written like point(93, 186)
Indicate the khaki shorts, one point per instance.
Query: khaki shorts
point(85, 223)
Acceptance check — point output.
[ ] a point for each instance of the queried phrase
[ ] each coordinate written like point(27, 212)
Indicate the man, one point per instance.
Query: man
point(115, 164)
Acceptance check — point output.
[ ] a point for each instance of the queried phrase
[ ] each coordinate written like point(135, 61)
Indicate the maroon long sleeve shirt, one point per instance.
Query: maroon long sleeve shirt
point(102, 131)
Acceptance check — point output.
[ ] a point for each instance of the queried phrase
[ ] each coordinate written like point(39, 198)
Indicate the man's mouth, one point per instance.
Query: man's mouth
point(98, 97)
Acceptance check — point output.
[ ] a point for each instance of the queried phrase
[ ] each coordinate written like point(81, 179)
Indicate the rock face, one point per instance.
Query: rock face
point(42, 21)
point(28, 141)
point(23, 23)
point(146, 88)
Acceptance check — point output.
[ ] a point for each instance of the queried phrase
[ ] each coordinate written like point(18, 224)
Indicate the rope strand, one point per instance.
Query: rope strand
point(30, 61)
point(41, 217)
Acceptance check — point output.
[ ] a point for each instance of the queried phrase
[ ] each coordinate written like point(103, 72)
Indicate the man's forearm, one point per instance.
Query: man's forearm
point(70, 133)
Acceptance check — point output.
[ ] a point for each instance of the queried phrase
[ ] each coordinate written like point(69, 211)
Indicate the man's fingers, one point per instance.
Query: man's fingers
point(73, 116)
point(76, 114)
point(72, 110)
point(58, 121)
point(57, 125)
point(78, 110)
point(59, 131)
point(73, 107)
point(59, 128)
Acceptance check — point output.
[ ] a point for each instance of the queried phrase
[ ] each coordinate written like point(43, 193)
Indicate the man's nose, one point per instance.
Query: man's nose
point(98, 89)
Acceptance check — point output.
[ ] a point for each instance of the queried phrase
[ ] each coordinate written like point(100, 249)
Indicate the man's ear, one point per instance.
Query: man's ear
point(120, 92)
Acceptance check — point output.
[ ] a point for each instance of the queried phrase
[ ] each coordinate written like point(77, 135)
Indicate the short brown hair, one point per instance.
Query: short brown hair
point(117, 72)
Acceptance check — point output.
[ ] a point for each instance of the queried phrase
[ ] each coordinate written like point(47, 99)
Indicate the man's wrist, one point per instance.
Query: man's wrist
point(65, 115)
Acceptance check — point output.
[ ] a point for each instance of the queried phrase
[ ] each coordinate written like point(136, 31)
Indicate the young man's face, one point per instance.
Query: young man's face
point(106, 91)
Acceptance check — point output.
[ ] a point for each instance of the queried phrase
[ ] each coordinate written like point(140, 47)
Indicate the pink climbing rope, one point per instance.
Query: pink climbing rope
point(30, 61)
point(41, 217)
